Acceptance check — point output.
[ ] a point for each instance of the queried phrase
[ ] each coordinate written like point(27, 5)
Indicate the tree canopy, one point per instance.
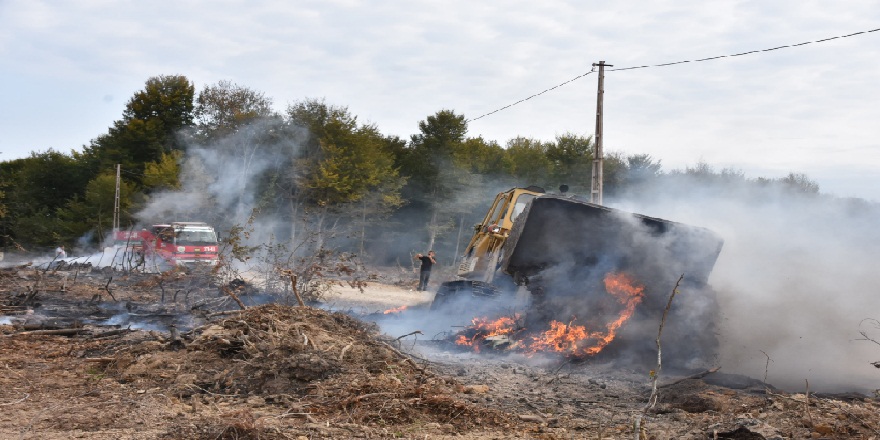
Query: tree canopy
point(298, 167)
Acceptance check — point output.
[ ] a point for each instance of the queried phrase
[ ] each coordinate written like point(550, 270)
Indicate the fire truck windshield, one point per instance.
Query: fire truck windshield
point(195, 238)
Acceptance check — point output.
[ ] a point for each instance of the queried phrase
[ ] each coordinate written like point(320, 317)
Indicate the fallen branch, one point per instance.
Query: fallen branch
point(111, 333)
point(234, 297)
point(536, 418)
point(417, 332)
point(17, 401)
point(344, 349)
point(692, 376)
point(107, 288)
point(59, 332)
point(222, 313)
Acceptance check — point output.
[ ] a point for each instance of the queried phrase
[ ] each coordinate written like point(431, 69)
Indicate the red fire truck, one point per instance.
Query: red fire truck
point(176, 243)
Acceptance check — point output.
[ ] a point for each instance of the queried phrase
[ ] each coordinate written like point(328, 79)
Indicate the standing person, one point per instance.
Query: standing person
point(60, 253)
point(425, 271)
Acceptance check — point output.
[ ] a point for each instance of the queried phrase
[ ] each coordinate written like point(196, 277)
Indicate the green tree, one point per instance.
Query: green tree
point(527, 161)
point(571, 156)
point(223, 108)
point(35, 187)
point(343, 164)
point(476, 155)
point(94, 212)
point(434, 180)
point(164, 173)
point(150, 126)
point(440, 135)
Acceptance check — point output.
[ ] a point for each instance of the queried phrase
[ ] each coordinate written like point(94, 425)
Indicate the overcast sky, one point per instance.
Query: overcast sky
point(68, 68)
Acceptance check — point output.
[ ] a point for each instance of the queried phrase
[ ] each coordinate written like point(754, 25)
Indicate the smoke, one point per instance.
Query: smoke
point(226, 181)
point(794, 279)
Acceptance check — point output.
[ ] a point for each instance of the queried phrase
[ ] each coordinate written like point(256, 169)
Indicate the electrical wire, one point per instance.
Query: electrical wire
point(530, 97)
point(672, 64)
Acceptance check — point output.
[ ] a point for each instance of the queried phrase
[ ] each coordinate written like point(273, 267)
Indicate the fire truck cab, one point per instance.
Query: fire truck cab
point(184, 243)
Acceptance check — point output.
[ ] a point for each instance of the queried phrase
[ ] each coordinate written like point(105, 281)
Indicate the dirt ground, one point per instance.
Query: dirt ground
point(103, 355)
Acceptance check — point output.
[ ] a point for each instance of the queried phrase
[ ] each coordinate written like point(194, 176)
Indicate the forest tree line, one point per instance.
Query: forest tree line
point(313, 164)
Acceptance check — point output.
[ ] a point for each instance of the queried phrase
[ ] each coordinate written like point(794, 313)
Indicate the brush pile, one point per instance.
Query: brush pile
point(312, 362)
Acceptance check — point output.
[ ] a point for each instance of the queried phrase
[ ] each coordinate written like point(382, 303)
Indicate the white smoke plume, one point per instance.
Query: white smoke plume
point(794, 279)
point(221, 181)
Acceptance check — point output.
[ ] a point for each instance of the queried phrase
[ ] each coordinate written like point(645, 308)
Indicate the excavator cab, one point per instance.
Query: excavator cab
point(481, 254)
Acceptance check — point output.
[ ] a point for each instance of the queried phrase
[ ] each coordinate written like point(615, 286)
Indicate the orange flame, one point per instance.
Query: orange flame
point(482, 328)
point(571, 339)
point(395, 310)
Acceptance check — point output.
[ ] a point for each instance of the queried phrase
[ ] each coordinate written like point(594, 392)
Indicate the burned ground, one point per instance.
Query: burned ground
point(72, 368)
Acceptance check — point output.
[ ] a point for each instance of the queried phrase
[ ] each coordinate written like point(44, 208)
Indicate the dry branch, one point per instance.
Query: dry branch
point(692, 376)
point(58, 332)
point(652, 400)
point(234, 297)
point(295, 291)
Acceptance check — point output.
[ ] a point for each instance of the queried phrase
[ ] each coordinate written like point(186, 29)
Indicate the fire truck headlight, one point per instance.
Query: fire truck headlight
point(181, 249)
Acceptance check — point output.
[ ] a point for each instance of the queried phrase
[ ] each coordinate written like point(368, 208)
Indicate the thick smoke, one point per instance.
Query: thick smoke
point(794, 279)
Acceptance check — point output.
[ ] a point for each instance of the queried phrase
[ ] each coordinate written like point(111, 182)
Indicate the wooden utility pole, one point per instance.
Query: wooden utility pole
point(596, 185)
point(116, 204)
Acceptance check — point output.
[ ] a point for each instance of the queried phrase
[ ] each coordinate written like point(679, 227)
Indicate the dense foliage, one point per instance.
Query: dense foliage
point(223, 155)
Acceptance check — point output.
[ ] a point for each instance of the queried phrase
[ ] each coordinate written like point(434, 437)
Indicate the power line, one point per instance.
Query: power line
point(751, 52)
point(745, 53)
point(530, 97)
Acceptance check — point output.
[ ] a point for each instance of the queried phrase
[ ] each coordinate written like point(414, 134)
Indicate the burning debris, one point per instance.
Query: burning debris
point(568, 339)
point(395, 310)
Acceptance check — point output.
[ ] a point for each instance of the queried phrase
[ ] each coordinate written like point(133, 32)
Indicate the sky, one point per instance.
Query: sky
point(67, 70)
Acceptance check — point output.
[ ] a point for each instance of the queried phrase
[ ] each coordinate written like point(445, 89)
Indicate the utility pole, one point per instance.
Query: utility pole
point(596, 185)
point(116, 204)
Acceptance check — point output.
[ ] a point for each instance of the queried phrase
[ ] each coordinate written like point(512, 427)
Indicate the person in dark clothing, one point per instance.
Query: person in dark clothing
point(425, 272)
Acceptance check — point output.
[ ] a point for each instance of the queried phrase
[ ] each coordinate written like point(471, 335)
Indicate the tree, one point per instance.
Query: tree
point(432, 148)
point(642, 167)
point(164, 173)
point(476, 155)
point(527, 161)
point(94, 212)
point(434, 180)
point(343, 164)
point(800, 183)
point(35, 188)
point(571, 156)
point(150, 125)
point(225, 107)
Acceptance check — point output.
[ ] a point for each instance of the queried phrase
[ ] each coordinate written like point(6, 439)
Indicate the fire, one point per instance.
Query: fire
point(394, 310)
point(570, 339)
point(482, 329)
